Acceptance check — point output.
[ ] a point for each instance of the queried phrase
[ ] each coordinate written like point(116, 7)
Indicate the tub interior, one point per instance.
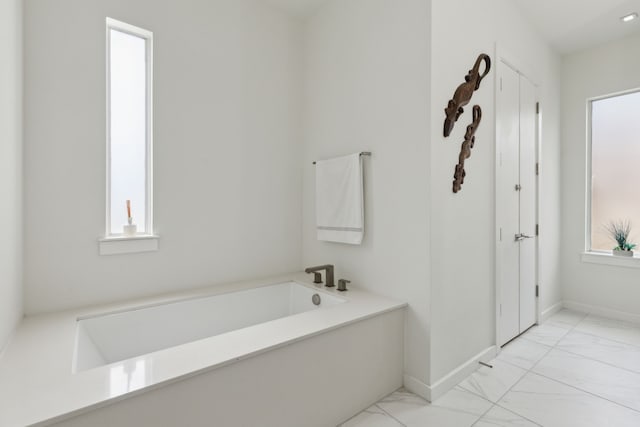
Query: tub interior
point(109, 338)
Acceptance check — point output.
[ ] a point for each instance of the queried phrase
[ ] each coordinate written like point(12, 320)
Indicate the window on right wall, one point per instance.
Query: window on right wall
point(614, 168)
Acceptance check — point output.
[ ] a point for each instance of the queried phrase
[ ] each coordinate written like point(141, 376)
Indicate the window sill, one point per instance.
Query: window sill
point(116, 245)
point(609, 259)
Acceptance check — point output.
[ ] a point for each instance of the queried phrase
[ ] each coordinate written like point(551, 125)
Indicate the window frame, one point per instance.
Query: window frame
point(589, 174)
point(113, 24)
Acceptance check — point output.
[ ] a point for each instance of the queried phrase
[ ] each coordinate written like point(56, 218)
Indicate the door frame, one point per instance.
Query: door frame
point(504, 58)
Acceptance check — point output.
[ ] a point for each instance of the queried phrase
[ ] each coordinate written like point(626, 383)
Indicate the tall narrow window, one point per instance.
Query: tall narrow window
point(615, 158)
point(129, 129)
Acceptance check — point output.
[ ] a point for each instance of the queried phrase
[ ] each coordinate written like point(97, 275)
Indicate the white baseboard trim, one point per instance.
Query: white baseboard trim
point(602, 311)
point(550, 311)
point(433, 392)
point(5, 345)
point(446, 383)
point(416, 386)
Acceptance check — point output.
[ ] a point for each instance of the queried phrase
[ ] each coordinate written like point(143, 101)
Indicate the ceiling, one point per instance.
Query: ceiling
point(568, 25)
point(574, 25)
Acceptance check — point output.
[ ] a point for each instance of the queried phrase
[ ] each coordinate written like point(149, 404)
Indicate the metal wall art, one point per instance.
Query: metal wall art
point(454, 110)
point(465, 151)
point(464, 92)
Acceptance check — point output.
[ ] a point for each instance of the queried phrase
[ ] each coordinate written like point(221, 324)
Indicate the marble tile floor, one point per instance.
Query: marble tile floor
point(575, 370)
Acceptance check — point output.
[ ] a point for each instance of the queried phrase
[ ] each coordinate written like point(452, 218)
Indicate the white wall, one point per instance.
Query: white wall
point(10, 167)
point(229, 73)
point(226, 149)
point(366, 80)
point(462, 225)
point(599, 71)
point(378, 76)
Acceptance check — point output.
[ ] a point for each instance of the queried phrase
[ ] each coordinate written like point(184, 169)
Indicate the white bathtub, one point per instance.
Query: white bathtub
point(113, 337)
point(253, 353)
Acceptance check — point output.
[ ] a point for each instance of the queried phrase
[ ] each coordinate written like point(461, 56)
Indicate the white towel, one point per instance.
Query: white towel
point(340, 199)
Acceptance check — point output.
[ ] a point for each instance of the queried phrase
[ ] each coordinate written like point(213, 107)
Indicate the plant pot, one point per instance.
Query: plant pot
point(623, 253)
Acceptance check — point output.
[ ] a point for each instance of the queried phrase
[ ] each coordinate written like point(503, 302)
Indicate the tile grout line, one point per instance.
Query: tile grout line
point(530, 371)
point(591, 334)
point(487, 397)
point(502, 407)
point(514, 384)
point(386, 412)
point(496, 404)
point(527, 371)
point(551, 348)
point(562, 325)
point(598, 360)
point(493, 405)
point(521, 416)
point(377, 406)
point(626, 325)
point(569, 385)
point(569, 329)
point(389, 415)
point(586, 392)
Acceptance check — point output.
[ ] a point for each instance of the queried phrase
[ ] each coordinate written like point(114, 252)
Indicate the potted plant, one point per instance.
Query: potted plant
point(619, 231)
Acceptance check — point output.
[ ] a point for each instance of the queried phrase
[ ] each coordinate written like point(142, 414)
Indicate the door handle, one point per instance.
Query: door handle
point(520, 237)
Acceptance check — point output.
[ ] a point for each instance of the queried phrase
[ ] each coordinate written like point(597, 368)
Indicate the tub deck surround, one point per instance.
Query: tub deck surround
point(38, 386)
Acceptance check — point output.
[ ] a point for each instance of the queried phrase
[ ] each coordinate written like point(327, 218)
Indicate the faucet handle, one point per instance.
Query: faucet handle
point(317, 277)
point(342, 285)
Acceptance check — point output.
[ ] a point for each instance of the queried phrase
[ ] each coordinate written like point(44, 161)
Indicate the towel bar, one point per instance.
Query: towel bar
point(364, 153)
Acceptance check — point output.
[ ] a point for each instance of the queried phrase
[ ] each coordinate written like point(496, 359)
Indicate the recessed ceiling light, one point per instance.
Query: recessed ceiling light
point(630, 17)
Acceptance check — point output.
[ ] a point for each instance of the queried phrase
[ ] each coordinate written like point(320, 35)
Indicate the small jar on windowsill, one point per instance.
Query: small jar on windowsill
point(130, 230)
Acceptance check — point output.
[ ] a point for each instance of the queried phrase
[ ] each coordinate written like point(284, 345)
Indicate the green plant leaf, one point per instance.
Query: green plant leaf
point(619, 231)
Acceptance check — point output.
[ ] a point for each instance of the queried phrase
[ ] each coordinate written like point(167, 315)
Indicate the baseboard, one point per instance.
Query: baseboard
point(5, 346)
point(602, 311)
point(416, 386)
point(433, 392)
point(550, 311)
point(446, 383)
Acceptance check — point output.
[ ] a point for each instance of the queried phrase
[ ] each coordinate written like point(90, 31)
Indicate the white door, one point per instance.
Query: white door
point(516, 193)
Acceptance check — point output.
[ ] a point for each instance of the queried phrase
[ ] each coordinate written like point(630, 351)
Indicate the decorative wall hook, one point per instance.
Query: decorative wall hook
point(464, 92)
point(465, 151)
